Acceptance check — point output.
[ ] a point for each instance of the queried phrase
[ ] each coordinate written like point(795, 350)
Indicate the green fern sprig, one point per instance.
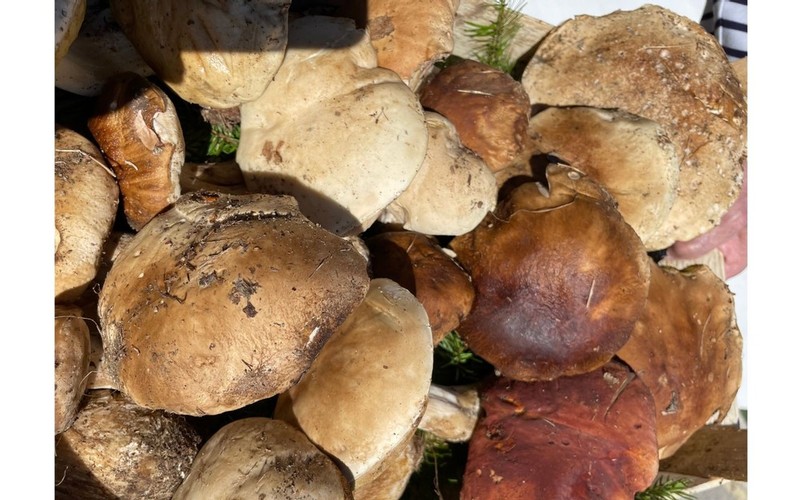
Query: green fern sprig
point(495, 38)
point(663, 489)
point(223, 140)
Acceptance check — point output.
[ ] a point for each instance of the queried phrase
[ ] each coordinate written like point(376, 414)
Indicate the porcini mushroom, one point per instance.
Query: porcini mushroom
point(69, 17)
point(223, 301)
point(452, 191)
point(664, 67)
point(72, 364)
point(259, 457)
point(687, 349)
point(86, 199)
point(116, 449)
point(560, 279)
point(215, 54)
point(587, 436)
point(343, 123)
point(137, 127)
point(633, 158)
point(365, 393)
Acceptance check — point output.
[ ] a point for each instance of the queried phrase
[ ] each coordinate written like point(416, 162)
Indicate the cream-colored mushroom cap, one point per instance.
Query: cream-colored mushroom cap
point(223, 301)
point(632, 157)
point(259, 457)
point(71, 364)
point(341, 135)
point(215, 54)
point(658, 65)
point(367, 390)
point(69, 16)
point(86, 199)
point(100, 51)
point(453, 190)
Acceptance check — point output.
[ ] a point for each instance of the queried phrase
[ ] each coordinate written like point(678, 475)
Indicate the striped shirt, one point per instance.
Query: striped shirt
point(727, 20)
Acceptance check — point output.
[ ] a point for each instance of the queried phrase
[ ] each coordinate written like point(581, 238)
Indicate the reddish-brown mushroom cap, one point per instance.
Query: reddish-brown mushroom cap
point(588, 436)
point(687, 348)
point(560, 279)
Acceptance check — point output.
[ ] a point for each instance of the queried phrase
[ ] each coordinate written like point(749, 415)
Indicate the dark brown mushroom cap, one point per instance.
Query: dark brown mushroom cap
point(417, 263)
point(687, 348)
point(664, 67)
point(488, 108)
point(223, 301)
point(588, 436)
point(560, 279)
point(137, 127)
point(259, 457)
point(117, 449)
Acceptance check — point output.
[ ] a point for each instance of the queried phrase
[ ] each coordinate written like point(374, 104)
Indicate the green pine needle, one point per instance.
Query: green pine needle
point(663, 489)
point(495, 38)
point(223, 140)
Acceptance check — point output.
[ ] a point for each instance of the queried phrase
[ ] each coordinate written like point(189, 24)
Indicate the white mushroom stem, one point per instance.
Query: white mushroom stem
point(98, 377)
point(452, 412)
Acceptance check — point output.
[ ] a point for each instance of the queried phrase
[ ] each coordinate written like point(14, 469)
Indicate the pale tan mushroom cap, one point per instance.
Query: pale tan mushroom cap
point(453, 190)
point(223, 301)
point(69, 17)
point(632, 157)
point(262, 458)
point(100, 51)
point(72, 364)
point(344, 125)
point(410, 36)
point(86, 199)
point(137, 127)
point(367, 390)
point(215, 54)
point(661, 66)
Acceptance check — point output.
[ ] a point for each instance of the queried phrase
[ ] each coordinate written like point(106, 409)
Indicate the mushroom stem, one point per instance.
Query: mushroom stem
point(452, 412)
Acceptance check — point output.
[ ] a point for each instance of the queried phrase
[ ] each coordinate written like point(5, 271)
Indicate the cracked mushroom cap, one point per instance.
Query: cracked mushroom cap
point(489, 109)
point(215, 54)
point(137, 127)
point(417, 263)
point(86, 200)
point(451, 193)
point(344, 123)
point(223, 301)
point(664, 67)
point(632, 157)
point(259, 457)
point(117, 449)
point(687, 348)
point(560, 279)
point(366, 392)
point(588, 436)
point(72, 348)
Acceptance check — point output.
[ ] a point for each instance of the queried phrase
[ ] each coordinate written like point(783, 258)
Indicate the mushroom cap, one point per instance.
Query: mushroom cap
point(390, 483)
point(86, 200)
point(632, 157)
point(223, 301)
point(664, 67)
point(488, 108)
point(215, 54)
point(100, 51)
point(417, 263)
point(116, 449)
point(365, 393)
point(453, 190)
point(69, 17)
point(410, 36)
point(344, 123)
point(687, 348)
point(72, 347)
point(560, 279)
point(259, 457)
point(588, 436)
point(137, 127)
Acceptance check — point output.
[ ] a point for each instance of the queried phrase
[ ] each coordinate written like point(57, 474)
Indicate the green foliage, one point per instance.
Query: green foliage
point(223, 140)
point(663, 489)
point(454, 363)
point(495, 38)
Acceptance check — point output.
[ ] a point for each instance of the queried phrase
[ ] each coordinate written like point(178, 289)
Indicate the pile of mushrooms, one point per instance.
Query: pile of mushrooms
point(266, 326)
